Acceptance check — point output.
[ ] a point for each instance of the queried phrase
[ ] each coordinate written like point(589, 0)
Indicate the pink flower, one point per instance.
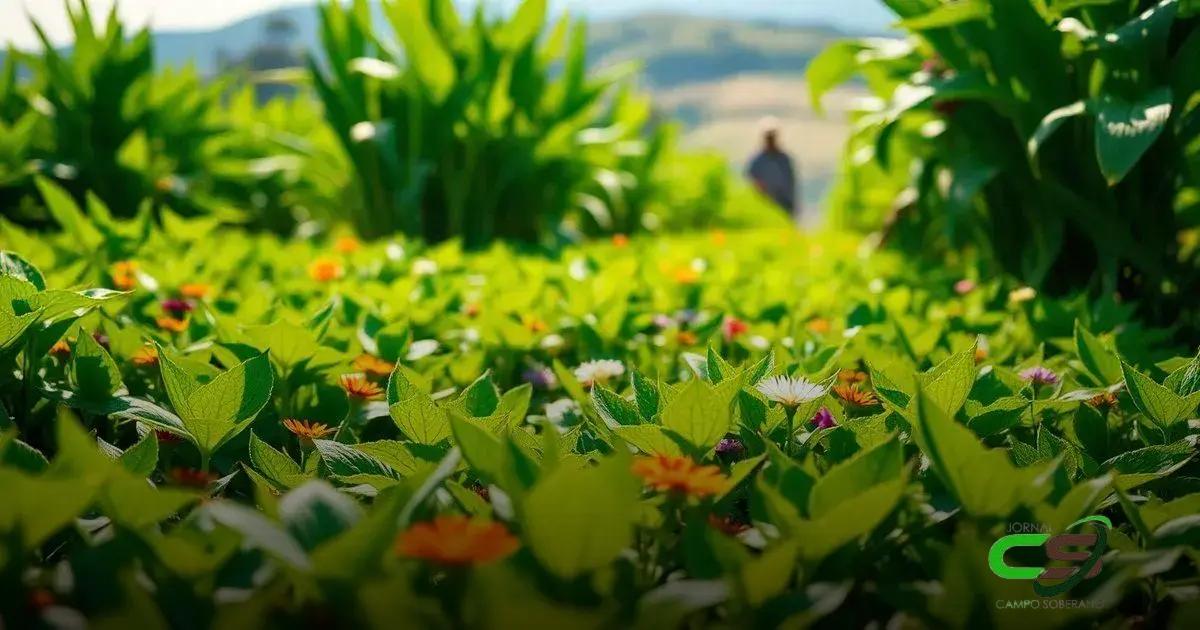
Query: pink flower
point(1039, 375)
point(964, 286)
point(823, 419)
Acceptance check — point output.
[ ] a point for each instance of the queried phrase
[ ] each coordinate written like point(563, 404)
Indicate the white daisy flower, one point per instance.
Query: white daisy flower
point(421, 348)
point(602, 370)
point(788, 391)
point(562, 409)
point(424, 267)
point(553, 341)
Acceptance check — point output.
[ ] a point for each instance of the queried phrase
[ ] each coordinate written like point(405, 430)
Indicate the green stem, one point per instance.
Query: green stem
point(791, 431)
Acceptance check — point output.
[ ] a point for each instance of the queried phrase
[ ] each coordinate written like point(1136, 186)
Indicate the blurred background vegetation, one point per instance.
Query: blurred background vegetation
point(1070, 163)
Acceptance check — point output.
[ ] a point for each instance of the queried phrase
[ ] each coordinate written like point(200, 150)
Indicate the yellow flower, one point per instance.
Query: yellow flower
point(667, 473)
point(146, 356)
point(357, 386)
point(124, 275)
point(346, 245)
point(325, 270)
point(195, 290)
point(456, 540)
point(308, 431)
point(172, 324)
point(373, 367)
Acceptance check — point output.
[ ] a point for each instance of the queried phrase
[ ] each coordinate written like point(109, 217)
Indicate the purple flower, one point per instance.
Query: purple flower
point(1039, 375)
point(176, 307)
point(101, 339)
point(730, 446)
point(540, 377)
point(823, 419)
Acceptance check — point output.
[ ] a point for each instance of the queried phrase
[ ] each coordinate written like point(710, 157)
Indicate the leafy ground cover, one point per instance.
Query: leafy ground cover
point(750, 429)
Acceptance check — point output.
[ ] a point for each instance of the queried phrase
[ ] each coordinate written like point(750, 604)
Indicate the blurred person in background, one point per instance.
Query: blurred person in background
point(772, 170)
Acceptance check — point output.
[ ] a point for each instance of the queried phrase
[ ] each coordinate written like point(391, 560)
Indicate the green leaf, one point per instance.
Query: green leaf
point(142, 458)
point(946, 15)
point(1125, 131)
point(422, 46)
point(1163, 407)
point(479, 447)
point(1101, 362)
point(12, 328)
point(96, 374)
point(216, 411)
point(982, 479)
point(259, 531)
point(37, 507)
point(13, 265)
point(650, 438)
point(865, 470)
point(276, 466)
point(136, 504)
point(614, 409)
point(480, 399)
point(316, 512)
point(645, 395)
point(579, 519)
point(850, 519)
point(948, 383)
point(345, 461)
point(700, 414)
point(834, 65)
point(420, 419)
point(1051, 123)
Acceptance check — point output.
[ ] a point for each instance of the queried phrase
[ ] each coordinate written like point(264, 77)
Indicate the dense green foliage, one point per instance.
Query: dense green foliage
point(869, 492)
point(1062, 138)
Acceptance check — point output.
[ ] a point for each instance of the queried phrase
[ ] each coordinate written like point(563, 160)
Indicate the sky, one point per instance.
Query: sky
point(208, 14)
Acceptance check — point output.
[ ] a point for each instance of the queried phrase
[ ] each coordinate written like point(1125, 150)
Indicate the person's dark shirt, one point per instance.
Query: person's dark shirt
point(773, 171)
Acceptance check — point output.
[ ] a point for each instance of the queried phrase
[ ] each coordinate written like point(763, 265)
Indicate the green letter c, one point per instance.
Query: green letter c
point(1001, 546)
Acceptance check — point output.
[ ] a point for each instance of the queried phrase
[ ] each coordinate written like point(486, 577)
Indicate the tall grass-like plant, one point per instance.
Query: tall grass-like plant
point(473, 127)
point(1061, 137)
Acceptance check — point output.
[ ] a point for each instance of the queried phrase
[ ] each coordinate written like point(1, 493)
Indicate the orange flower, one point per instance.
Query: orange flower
point(146, 356)
point(357, 386)
point(819, 325)
point(124, 275)
point(981, 355)
point(191, 477)
point(346, 245)
point(308, 431)
point(195, 290)
point(851, 377)
point(1107, 400)
point(686, 275)
point(325, 270)
point(471, 310)
point(373, 367)
point(854, 396)
point(718, 238)
point(620, 241)
point(60, 349)
point(457, 541)
point(533, 323)
point(686, 338)
point(172, 324)
point(668, 473)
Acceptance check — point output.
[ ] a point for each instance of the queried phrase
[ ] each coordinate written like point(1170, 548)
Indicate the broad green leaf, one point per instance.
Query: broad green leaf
point(700, 413)
point(850, 519)
point(40, 506)
point(578, 520)
point(345, 460)
point(855, 476)
point(420, 419)
point(13, 265)
point(136, 504)
point(1162, 406)
point(613, 409)
point(948, 383)
point(1101, 362)
point(1125, 131)
point(96, 374)
point(259, 531)
point(214, 412)
point(316, 512)
point(947, 15)
point(142, 458)
point(276, 466)
point(422, 46)
point(982, 479)
point(650, 438)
